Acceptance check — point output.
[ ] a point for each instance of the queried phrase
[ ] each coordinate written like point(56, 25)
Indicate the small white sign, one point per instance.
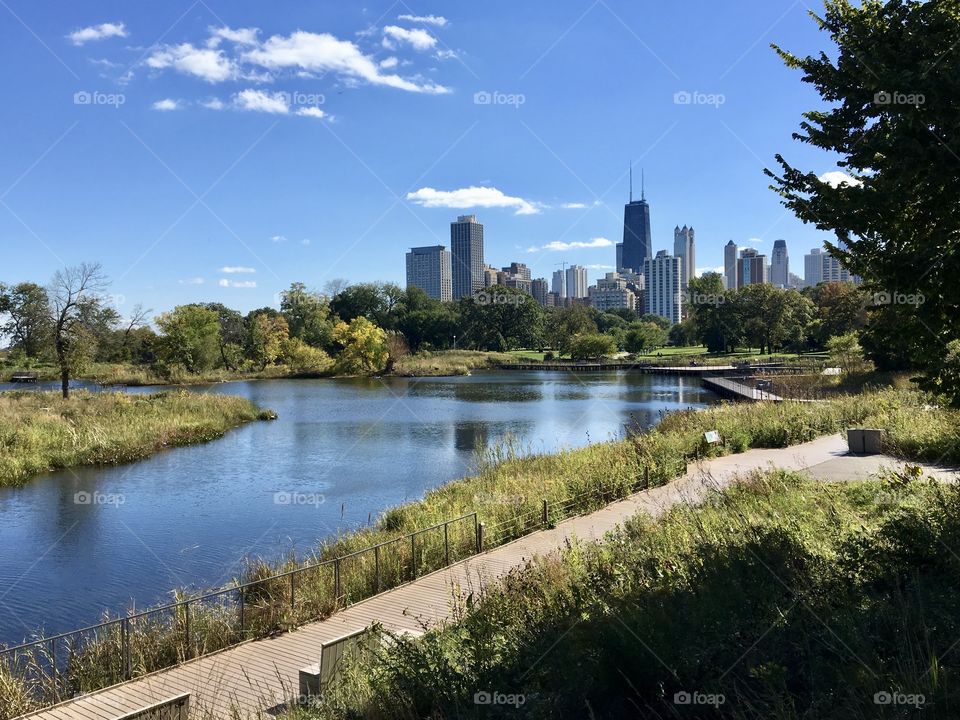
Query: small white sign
point(712, 437)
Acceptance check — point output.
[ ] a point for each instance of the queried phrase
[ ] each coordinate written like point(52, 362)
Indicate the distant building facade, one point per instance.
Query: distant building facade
point(466, 248)
point(751, 268)
point(612, 293)
point(780, 264)
point(730, 265)
point(684, 248)
point(576, 281)
point(637, 244)
point(559, 285)
point(429, 268)
point(539, 289)
point(662, 291)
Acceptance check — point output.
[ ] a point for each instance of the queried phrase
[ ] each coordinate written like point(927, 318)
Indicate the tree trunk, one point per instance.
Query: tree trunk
point(65, 383)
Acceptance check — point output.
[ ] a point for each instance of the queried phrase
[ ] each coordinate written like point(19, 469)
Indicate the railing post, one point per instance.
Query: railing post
point(413, 554)
point(376, 562)
point(186, 629)
point(646, 477)
point(446, 542)
point(293, 590)
point(242, 601)
point(479, 537)
point(56, 671)
point(336, 578)
point(125, 650)
point(546, 515)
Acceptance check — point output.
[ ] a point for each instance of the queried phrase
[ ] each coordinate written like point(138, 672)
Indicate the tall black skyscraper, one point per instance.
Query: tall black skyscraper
point(637, 246)
point(466, 249)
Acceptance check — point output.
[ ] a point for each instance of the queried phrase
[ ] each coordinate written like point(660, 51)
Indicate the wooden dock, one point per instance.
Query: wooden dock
point(737, 390)
point(23, 377)
point(695, 370)
point(255, 679)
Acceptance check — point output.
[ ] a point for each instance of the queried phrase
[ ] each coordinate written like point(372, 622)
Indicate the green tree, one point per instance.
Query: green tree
point(26, 307)
point(642, 337)
point(308, 315)
point(305, 359)
point(233, 334)
point(190, 338)
point(268, 333)
point(363, 347)
point(889, 113)
point(711, 314)
point(845, 351)
point(501, 318)
point(565, 323)
point(591, 346)
point(840, 308)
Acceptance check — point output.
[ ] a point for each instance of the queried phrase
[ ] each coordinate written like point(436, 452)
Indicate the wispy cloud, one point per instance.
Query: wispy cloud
point(167, 104)
point(417, 39)
point(557, 245)
point(237, 269)
point(437, 20)
point(97, 32)
point(470, 197)
point(193, 281)
point(243, 284)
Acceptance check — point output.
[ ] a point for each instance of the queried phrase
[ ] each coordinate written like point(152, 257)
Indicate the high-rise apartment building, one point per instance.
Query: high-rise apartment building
point(637, 246)
point(751, 268)
point(559, 284)
point(519, 270)
point(662, 292)
point(576, 281)
point(730, 265)
point(429, 268)
point(780, 265)
point(685, 249)
point(539, 289)
point(813, 267)
point(611, 293)
point(466, 247)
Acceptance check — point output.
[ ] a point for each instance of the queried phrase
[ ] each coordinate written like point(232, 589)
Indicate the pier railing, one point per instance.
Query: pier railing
point(55, 668)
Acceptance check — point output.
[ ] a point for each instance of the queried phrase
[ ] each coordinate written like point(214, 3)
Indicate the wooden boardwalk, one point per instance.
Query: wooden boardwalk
point(253, 680)
point(728, 387)
point(649, 369)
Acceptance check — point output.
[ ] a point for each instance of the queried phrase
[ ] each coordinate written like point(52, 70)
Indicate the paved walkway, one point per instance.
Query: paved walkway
point(254, 679)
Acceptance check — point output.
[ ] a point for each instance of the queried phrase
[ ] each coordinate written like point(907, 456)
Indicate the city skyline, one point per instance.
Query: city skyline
point(196, 160)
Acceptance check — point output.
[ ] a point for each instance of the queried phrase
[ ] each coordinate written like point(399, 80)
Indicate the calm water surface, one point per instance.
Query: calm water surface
point(188, 517)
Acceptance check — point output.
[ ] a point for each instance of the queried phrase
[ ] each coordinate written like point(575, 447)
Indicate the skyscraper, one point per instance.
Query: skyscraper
point(619, 257)
point(429, 268)
point(780, 264)
point(539, 290)
point(751, 268)
point(576, 281)
point(684, 248)
point(466, 245)
point(813, 268)
point(636, 230)
point(559, 285)
point(662, 294)
point(730, 265)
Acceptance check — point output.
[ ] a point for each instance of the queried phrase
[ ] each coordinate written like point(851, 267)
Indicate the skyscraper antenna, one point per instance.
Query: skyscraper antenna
point(643, 193)
point(631, 181)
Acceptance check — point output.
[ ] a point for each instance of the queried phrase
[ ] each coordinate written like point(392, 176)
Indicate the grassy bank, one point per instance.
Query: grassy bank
point(780, 599)
point(448, 362)
point(507, 493)
point(39, 431)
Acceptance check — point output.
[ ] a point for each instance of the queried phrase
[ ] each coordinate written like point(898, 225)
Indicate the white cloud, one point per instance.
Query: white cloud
point(279, 238)
point(213, 104)
point(223, 282)
point(573, 205)
point(437, 20)
point(311, 111)
point(97, 32)
point(166, 105)
point(207, 64)
point(446, 54)
point(305, 241)
point(700, 271)
point(322, 52)
point(485, 197)
point(418, 39)
point(557, 245)
point(600, 267)
point(836, 178)
point(234, 269)
point(193, 281)
point(390, 62)
point(238, 36)
point(260, 101)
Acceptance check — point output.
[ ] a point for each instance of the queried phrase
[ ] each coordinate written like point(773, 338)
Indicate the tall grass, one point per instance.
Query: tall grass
point(449, 362)
point(507, 493)
point(786, 598)
point(40, 431)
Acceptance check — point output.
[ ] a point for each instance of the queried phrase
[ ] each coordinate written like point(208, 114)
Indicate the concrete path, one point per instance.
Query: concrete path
point(255, 679)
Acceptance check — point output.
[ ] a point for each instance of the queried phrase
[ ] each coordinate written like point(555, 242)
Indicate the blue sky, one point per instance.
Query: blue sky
point(221, 150)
